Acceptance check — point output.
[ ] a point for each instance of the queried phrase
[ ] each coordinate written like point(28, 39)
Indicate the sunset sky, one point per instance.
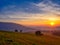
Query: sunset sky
point(30, 12)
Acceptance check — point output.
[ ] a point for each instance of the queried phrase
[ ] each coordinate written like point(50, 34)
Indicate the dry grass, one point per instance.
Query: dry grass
point(15, 38)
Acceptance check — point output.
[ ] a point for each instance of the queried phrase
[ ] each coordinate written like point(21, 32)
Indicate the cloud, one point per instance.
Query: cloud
point(18, 10)
point(27, 6)
point(49, 7)
point(28, 10)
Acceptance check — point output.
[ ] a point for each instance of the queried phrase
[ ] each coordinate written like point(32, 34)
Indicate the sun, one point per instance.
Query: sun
point(52, 23)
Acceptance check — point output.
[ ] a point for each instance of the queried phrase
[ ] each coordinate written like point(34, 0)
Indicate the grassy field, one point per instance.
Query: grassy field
point(16, 38)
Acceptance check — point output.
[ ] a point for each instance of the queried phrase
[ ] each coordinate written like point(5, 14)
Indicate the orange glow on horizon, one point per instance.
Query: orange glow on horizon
point(39, 23)
point(49, 22)
point(52, 23)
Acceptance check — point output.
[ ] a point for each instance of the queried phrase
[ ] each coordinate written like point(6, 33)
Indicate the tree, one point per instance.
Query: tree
point(16, 30)
point(38, 33)
point(20, 30)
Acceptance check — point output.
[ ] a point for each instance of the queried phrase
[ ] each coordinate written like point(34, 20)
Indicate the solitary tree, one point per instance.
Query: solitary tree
point(38, 33)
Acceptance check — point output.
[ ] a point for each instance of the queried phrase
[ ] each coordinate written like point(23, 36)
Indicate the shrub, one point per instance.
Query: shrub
point(20, 30)
point(38, 33)
point(16, 30)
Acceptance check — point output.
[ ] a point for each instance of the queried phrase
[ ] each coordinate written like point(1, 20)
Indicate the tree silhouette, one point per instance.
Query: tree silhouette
point(20, 30)
point(16, 30)
point(38, 33)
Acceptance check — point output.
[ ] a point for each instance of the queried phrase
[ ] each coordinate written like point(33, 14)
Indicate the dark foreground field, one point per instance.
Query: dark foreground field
point(15, 38)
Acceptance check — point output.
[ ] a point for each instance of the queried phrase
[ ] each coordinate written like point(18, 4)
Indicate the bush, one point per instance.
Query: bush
point(38, 33)
point(16, 30)
point(20, 30)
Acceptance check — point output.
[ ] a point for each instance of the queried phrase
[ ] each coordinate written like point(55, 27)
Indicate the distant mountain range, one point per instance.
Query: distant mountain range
point(8, 26)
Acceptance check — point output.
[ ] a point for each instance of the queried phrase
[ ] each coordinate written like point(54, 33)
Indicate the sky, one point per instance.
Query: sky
point(30, 12)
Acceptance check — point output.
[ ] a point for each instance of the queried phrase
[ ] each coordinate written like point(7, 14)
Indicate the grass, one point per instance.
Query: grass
point(16, 38)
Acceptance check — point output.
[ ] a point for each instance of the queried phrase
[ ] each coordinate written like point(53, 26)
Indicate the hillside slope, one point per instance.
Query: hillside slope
point(15, 38)
point(9, 26)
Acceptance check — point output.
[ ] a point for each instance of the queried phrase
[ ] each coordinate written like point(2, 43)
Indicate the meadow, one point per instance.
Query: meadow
point(17, 38)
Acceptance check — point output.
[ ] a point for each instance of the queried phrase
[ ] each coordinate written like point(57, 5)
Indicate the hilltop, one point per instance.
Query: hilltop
point(17, 38)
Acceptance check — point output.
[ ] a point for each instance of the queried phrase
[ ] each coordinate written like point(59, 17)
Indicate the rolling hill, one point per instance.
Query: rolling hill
point(8, 26)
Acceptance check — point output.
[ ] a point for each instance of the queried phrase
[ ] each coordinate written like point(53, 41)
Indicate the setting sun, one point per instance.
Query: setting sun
point(52, 23)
